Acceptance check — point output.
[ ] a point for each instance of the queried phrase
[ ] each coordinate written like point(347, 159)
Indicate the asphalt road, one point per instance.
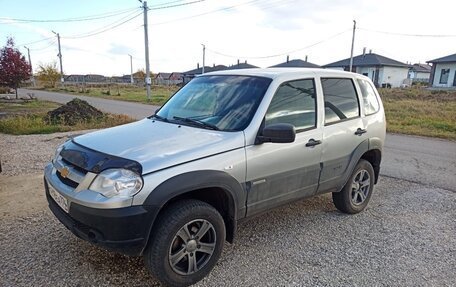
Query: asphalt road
point(134, 110)
point(422, 160)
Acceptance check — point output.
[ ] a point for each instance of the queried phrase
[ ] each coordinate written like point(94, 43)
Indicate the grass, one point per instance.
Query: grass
point(417, 111)
point(28, 107)
point(28, 118)
point(159, 94)
point(413, 111)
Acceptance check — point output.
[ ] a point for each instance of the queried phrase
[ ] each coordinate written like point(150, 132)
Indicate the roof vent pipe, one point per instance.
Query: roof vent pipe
point(238, 62)
point(288, 58)
point(370, 51)
point(364, 51)
point(305, 59)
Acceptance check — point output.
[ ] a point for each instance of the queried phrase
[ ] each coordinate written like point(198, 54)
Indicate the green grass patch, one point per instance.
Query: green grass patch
point(159, 94)
point(35, 124)
point(29, 118)
point(422, 112)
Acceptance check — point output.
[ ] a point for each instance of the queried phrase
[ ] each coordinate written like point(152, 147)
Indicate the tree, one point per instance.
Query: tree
point(140, 75)
point(48, 74)
point(14, 69)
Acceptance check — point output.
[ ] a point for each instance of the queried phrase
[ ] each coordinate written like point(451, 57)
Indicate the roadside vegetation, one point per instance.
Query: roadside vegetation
point(122, 92)
point(42, 117)
point(418, 111)
point(413, 111)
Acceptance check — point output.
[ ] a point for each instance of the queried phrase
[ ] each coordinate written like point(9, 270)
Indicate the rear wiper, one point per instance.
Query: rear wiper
point(197, 122)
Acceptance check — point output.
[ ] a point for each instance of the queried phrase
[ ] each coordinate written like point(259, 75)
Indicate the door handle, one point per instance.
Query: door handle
point(360, 131)
point(312, 143)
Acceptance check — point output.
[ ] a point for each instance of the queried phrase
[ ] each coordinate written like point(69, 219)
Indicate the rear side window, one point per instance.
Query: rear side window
point(341, 100)
point(370, 101)
point(294, 103)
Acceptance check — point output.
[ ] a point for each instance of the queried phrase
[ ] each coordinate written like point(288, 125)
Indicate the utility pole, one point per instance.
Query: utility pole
point(353, 45)
point(31, 68)
point(131, 69)
point(204, 57)
point(146, 42)
point(60, 57)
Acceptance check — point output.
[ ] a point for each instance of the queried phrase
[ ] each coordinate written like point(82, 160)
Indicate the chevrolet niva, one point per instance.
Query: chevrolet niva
point(227, 146)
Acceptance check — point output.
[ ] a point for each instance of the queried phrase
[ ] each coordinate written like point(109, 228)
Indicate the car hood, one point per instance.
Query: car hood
point(157, 145)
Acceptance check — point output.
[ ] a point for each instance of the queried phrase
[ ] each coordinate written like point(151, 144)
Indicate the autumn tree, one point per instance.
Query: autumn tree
point(48, 74)
point(140, 74)
point(14, 69)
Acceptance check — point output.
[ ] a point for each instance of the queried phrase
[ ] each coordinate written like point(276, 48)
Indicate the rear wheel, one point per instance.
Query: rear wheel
point(186, 244)
point(355, 195)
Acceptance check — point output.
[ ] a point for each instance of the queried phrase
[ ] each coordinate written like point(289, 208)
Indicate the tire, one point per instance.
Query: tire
point(176, 245)
point(355, 195)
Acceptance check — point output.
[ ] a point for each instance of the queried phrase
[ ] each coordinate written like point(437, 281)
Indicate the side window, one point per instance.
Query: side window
point(294, 103)
point(370, 101)
point(341, 100)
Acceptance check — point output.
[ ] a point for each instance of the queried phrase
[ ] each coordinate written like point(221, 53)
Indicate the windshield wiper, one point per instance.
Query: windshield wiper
point(159, 118)
point(197, 122)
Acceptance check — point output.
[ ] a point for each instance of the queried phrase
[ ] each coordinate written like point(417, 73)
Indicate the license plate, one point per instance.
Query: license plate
point(58, 198)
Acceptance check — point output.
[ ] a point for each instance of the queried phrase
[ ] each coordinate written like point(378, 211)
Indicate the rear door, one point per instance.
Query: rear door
point(343, 131)
point(281, 172)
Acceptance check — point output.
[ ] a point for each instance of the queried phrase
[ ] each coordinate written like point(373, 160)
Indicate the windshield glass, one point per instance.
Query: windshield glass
point(225, 103)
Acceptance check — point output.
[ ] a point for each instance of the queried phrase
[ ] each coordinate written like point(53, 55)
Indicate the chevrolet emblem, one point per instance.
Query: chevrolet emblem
point(64, 172)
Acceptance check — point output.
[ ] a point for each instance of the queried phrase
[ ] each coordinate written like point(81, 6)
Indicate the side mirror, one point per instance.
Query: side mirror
point(278, 133)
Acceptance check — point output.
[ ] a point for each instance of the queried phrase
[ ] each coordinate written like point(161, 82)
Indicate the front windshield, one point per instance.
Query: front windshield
point(220, 102)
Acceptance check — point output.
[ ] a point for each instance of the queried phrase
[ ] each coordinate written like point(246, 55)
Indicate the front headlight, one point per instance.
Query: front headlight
point(117, 182)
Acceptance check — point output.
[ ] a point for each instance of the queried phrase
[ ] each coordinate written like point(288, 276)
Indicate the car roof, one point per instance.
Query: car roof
point(274, 73)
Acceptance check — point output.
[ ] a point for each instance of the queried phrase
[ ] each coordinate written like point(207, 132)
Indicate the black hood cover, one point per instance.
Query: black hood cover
point(95, 161)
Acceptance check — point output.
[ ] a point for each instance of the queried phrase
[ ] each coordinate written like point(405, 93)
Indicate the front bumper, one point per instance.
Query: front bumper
point(124, 230)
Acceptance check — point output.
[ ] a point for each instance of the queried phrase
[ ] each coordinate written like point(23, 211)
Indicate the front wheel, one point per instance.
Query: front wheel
point(356, 193)
point(186, 244)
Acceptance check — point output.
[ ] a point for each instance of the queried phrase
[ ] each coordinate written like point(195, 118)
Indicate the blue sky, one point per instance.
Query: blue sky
point(250, 31)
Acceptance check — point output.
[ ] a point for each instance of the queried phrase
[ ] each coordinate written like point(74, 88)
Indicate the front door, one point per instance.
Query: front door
point(281, 172)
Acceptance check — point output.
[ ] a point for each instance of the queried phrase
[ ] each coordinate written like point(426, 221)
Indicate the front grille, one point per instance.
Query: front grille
point(73, 175)
point(67, 181)
point(80, 169)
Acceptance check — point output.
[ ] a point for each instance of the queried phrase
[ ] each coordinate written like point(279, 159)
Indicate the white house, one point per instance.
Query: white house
point(383, 71)
point(443, 73)
point(420, 72)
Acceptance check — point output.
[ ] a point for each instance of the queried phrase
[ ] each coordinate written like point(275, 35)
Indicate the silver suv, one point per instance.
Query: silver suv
point(227, 146)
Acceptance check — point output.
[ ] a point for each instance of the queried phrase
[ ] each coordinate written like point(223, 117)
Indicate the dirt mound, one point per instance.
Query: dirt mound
point(74, 112)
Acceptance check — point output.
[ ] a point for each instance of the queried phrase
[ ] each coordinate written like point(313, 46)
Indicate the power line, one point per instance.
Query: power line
point(408, 35)
point(166, 3)
point(205, 13)
point(281, 54)
point(176, 5)
point(103, 29)
point(34, 42)
point(75, 19)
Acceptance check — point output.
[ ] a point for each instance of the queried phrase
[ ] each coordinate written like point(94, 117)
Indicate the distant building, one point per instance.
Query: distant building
point(419, 73)
point(383, 71)
point(189, 75)
point(162, 79)
point(443, 72)
point(297, 63)
point(240, 65)
point(94, 78)
point(176, 78)
point(74, 78)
